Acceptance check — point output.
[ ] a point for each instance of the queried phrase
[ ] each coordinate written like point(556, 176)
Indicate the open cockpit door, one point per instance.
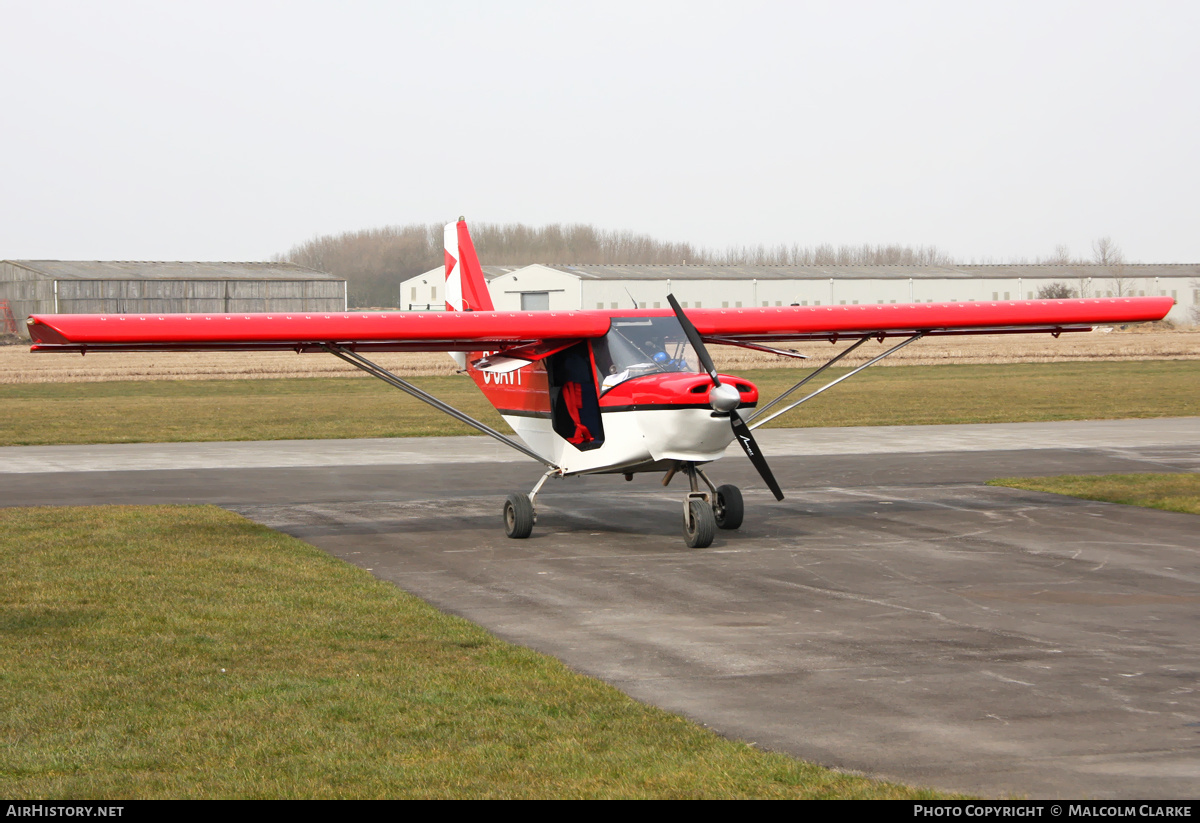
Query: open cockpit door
point(574, 401)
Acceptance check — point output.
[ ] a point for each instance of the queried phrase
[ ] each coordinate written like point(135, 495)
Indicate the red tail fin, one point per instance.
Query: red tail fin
point(466, 288)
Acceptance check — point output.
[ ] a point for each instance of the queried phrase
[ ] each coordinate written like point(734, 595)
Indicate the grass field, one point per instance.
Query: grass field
point(1170, 492)
point(184, 652)
point(318, 408)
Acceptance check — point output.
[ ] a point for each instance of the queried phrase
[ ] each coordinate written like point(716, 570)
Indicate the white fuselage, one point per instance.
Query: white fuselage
point(632, 438)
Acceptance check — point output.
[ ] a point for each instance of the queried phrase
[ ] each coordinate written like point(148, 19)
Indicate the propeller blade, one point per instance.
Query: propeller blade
point(693, 337)
point(742, 433)
point(740, 430)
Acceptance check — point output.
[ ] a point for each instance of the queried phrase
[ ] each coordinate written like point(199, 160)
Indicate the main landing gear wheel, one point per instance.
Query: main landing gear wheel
point(699, 524)
point(728, 510)
point(518, 516)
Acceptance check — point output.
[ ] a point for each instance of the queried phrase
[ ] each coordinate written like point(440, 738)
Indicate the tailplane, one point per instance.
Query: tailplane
point(466, 288)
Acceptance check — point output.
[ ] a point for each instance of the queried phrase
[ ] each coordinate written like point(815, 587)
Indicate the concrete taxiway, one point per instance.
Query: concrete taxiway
point(892, 616)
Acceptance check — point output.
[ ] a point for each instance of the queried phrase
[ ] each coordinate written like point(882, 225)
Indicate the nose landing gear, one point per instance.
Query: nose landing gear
point(706, 511)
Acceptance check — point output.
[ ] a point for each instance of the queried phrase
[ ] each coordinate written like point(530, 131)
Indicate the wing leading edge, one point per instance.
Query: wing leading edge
point(365, 331)
point(987, 317)
point(499, 330)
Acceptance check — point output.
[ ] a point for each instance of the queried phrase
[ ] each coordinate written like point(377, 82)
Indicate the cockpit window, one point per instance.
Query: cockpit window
point(637, 346)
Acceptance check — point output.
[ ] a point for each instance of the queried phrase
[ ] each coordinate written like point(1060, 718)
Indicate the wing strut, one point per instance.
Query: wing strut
point(375, 370)
point(757, 419)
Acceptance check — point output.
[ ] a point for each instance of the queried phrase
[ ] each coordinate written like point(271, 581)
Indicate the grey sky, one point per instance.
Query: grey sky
point(229, 131)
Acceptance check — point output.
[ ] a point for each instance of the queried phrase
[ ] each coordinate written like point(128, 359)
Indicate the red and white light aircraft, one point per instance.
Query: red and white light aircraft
point(594, 392)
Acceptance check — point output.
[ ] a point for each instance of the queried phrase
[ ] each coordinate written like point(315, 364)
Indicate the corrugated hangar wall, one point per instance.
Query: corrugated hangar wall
point(25, 296)
point(181, 296)
point(98, 287)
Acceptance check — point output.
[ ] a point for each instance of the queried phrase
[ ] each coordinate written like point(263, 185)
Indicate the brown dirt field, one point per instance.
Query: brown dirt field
point(19, 365)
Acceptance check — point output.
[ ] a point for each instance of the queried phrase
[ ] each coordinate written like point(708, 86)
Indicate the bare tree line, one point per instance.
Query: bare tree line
point(1105, 252)
point(374, 261)
point(558, 244)
point(826, 254)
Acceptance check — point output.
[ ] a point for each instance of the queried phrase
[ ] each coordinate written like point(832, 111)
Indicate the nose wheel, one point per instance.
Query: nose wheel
point(728, 509)
point(704, 512)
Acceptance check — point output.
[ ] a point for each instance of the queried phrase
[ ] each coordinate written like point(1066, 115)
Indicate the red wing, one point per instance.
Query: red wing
point(498, 330)
point(363, 331)
point(892, 319)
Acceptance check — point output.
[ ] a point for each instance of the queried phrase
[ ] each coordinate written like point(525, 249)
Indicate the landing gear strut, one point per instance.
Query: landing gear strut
point(706, 511)
point(519, 511)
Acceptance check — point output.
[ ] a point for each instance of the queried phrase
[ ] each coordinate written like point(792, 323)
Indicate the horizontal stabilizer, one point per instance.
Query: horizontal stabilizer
point(500, 364)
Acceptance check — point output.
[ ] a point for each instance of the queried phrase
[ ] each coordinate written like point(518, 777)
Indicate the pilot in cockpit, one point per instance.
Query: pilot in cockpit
point(660, 361)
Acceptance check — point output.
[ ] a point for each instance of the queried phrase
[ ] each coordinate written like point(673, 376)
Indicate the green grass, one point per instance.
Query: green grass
point(1171, 492)
point(205, 410)
point(166, 411)
point(1003, 393)
point(180, 652)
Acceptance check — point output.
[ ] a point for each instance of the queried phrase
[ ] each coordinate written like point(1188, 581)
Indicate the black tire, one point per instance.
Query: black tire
point(699, 525)
point(729, 510)
point(518, 516)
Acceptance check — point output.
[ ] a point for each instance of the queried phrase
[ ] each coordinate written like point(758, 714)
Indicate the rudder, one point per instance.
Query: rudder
point(466, 288)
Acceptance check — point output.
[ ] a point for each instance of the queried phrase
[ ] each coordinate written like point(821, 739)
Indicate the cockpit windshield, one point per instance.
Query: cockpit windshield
point(637, 346)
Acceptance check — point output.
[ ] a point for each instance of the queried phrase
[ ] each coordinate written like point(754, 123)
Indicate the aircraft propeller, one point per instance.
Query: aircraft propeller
point(725, 398)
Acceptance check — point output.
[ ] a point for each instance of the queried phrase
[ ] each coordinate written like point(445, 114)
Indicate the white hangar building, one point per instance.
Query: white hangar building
point(699, 286)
